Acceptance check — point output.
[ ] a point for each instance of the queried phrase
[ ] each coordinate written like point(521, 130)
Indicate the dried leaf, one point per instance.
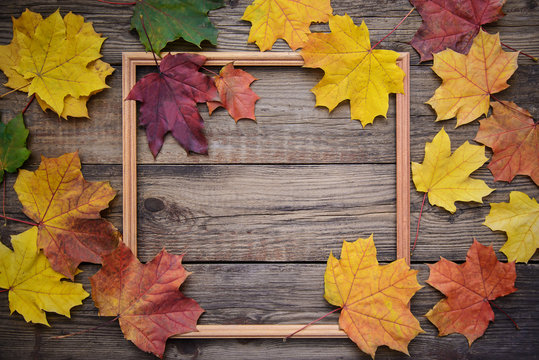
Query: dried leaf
point(169, 20)
point(145, 297)
point(66, 209)
point(235, 93)
point(469, 80)
point(56, 59)
point(445, 177)
point(519, 218)
point(284, 19)
point(34, 287)
point(514, 138)
point(352, 70)
point(374, 298)
point(452, 24)
point(13, 151)
point(468, 289)
point(169, 101)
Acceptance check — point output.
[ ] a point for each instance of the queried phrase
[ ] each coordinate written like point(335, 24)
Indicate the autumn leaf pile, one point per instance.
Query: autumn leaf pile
point(56, 60)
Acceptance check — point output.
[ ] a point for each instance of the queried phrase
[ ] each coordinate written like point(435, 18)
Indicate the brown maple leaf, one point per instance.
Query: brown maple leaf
point(235, 92)
point(66, 209)
point(145, 297)
point(470, 288)
point(513, 136)
point(452, 24)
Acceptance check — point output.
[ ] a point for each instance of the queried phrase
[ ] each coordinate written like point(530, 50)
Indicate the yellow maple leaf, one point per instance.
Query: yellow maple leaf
point(57, 59)
point(66, 210)
point(353, 70)
point(445, 177)
point(469, 80)
point(9, 54)
point(34, 287)
point(519, 218)
point(284, 19)
point(374, 299)
point(76, 107)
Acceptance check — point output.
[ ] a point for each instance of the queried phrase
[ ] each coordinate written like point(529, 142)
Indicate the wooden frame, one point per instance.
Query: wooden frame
point(130, 61)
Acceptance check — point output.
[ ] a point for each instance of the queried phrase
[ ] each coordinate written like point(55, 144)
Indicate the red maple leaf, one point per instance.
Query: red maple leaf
point(470, 288)
point(169, 101)
point(235, 92)
point(452, 24)
point(513, 136)
point(145, 297)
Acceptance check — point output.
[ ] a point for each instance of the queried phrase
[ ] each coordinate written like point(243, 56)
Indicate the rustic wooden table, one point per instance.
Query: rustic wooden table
point(259, 215)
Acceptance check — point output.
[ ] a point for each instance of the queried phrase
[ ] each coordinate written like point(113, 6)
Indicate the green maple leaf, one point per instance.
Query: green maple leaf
point(13, 151)
point(168, 20)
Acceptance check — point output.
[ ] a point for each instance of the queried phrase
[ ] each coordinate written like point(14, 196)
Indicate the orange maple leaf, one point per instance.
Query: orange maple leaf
point(284, 19)
point(145, 297)
point(470, 80)
point(514, 138)
point(470, 288)
point(374, 299)
point(66, 209)
point(236, 95)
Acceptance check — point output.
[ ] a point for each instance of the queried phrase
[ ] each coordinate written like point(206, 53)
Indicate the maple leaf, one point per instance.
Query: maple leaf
point(76, 107)
point(353, 70)
point(519, 218)
point(452, 24)
point(284, 19)
point(469, 80)
point(145, 297)
point(168, 20)
point(469, 288)
point(169, 101)
point(514, 138)
point(34, 287)
point(56, 59)
point(235, 93)
point(66, 209)
point(25, 26)
point(374, 298)
point(13, 151)
point(445, 176)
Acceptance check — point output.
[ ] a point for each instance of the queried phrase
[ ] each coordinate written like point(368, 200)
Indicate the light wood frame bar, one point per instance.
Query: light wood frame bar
point(131, 60)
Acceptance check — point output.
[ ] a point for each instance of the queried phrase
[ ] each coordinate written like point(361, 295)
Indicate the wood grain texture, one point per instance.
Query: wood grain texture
point(262, 260)
point(277, 293)
point(285, 213)
point(518, 27)
point(289, 128)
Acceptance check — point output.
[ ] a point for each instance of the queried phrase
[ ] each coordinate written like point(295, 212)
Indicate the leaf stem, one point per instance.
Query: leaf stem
point(395, 28)
point(312, 322)
point(418, 222)
point(506, 314)
point(210, 71)
point(17, 220)
point(149, 42)
point(118, 3)
point(29, 102)
point(87, 330)
point(522, 52)
point(508, 106)
point(4, 201)
point(12, 91)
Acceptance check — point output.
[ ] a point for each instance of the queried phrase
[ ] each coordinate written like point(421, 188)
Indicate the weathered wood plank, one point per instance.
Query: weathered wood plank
point(277, 293)
point(286, 213)
point(518, 27)
point(289, 128)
